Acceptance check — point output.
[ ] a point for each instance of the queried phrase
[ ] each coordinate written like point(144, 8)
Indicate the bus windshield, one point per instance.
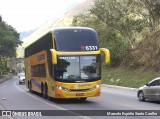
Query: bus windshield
point(75, 39)
point(78, 68)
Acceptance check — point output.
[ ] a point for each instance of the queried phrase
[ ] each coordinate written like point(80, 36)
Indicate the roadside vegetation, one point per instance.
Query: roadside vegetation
point(9, 40)
point(130, 29)
point(123, 76)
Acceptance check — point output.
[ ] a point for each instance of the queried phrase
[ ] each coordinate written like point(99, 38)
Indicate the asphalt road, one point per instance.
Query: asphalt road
point(17, 97)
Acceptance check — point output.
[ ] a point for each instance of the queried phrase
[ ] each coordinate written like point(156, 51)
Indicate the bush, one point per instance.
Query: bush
point(117, 46)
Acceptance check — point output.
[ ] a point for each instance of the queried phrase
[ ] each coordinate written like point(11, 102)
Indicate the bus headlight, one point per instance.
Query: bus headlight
point(95, 87)
point(62, 88)
point(59, 87)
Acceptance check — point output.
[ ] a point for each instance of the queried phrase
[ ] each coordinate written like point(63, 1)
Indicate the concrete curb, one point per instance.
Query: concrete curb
point(5, 78)
point(119, 87)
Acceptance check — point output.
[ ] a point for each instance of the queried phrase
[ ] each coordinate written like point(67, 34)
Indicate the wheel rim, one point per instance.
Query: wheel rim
point(141, 96)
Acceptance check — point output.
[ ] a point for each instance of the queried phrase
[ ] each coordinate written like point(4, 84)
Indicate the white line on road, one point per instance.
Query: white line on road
point(55, 106)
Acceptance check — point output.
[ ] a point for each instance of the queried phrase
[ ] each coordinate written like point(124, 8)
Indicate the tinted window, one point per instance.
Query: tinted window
point(155, 83)
point(38, 70)
point(44, 43)
point(158, 82)
point(75, 39)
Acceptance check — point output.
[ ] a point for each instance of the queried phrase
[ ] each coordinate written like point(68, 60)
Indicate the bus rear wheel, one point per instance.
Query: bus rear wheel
point(30, 86)
point(44, 91)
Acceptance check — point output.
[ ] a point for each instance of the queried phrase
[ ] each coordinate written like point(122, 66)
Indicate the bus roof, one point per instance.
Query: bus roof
point(72, 28)
point(62, 28)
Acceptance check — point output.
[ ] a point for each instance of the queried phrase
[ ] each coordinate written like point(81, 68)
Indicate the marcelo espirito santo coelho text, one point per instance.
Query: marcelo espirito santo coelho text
point(132, 113)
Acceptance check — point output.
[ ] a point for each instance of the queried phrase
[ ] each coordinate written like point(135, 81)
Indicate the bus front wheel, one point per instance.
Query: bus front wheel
point(83, 99)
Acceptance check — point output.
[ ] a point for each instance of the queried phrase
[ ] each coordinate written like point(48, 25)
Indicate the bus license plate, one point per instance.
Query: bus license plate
point(79, 94)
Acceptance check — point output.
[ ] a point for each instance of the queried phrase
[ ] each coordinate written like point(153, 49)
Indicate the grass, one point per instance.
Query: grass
point(122, 76)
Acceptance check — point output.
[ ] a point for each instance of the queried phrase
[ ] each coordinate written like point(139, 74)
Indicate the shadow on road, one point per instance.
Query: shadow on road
point(70, 101)
point(64, 101)
point(153, 102)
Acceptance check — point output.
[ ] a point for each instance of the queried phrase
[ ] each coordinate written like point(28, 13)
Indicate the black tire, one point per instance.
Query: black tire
point(83, 99)
point(44, 91)
point(141, 96)
point(30, 86)
point(49, 98)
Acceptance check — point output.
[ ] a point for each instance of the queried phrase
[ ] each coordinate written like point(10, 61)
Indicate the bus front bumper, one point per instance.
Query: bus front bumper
point(63, 93)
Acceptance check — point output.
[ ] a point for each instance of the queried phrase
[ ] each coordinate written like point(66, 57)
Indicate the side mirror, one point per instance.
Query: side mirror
point(54, 56)
point(107, 54)
point(147, 84)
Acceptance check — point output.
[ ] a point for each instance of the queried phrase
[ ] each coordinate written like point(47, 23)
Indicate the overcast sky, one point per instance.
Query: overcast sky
point(25, 15)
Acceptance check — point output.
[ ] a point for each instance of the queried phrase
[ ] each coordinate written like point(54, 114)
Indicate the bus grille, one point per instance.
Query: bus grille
point(79, 90)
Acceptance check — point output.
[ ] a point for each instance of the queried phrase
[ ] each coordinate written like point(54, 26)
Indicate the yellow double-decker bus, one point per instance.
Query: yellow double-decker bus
point(65, 63)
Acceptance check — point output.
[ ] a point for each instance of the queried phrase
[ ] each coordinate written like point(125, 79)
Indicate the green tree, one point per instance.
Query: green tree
point(120, 16)
point(152, 13)
point(149, 10)
point(9, 40)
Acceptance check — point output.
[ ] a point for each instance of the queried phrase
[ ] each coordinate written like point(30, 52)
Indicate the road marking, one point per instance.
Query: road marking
point(55, 106)
point(134, 107)
point(123, 104)
point(118, 93)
